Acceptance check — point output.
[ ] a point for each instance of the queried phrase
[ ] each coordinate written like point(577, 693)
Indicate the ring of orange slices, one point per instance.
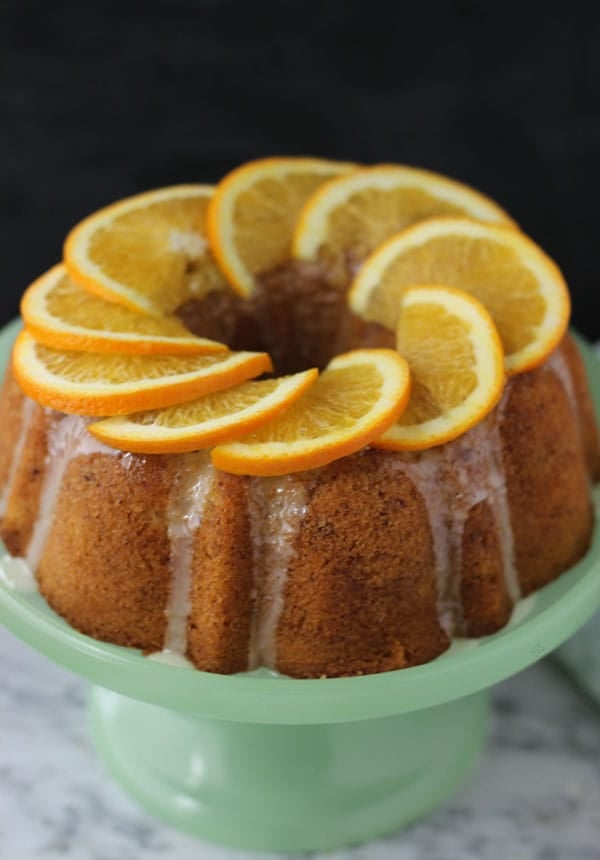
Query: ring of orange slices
point(470, 297)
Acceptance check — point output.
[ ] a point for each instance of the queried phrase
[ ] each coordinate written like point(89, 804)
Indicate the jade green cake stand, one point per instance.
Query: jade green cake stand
point(271, 763)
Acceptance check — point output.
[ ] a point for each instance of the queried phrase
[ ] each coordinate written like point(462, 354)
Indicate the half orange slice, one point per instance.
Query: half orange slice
point(521, 287)
point(251, 218)
point(148, 252)
point(61, 315)
point(456, 365)
point(349, 216)
point(356, 398)
point(89, 383)
point(209, 420)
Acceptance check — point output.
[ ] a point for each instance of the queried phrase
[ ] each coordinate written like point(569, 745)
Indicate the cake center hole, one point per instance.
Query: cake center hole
point(295, 314)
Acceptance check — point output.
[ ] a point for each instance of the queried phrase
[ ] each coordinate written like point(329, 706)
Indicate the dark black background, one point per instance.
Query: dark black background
point(100, 100)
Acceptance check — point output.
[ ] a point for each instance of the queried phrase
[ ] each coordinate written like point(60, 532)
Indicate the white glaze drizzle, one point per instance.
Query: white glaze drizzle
point(485, 480)
point(466, 461)
point(26, 416)
point(276, 508)
point(425, 472)
point(478, 469)
point(16, 574)
point(184, 514)
point(452, 480)
point(560, 367)
point(171, 658)
point(67, 438)
point(501, 507)
point(498, 497)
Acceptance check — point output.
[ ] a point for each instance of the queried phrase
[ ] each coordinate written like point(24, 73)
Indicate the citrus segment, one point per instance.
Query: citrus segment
point(117, 384)
point(251, 218)
point(510, 275)
point(148, 252)
point(350, 216)
point(356, 398)
point(456, 365)
point(207, 421)
point(61, 315)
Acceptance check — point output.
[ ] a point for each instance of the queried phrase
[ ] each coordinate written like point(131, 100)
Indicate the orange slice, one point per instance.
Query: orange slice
point(148, 252)
point(456, 366)
point(356, 398)
point(117, 384)
point(251, 218)
point(61, 315)
point(518, 283)
point(214, 418)
point(351, 215)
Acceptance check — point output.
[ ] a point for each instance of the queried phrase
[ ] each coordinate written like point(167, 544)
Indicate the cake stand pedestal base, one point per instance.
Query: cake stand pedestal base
point(287, 787)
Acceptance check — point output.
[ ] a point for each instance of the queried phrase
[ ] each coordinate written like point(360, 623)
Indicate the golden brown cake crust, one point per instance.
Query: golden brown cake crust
point(546, 478)
point(486, 605)
point(222, 580)
point(361, 590)
point(105, 567)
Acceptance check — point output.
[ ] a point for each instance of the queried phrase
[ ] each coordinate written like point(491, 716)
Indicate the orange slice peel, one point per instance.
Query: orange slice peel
point(100, 384)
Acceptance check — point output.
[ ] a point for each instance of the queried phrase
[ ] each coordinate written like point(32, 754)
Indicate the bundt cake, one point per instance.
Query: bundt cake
point(371, 563)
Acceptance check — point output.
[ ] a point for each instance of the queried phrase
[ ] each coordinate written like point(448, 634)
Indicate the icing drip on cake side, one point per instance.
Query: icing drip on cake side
point(171, 658)
point(560, 367)
point(184, 515)
point(425, 473)
point(499, 501)
point(67, 438)
point(478, 471)
point(452, 480)
point(276, 508)
point(16, 574)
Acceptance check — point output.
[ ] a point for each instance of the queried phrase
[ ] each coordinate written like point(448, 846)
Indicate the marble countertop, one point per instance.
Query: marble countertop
point(534, 796)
